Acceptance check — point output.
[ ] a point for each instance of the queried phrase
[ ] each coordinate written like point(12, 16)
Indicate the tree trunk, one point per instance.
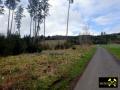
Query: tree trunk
point(35, 27)
point(44, 28)
point(14, 27)
point(30, 26)
point(12, 21)
point(8, 33)
point(38, 28)
point(19, 31)
point(68, 19)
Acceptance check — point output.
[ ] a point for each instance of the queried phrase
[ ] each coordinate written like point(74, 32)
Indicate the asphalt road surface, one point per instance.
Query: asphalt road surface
point(102, 64)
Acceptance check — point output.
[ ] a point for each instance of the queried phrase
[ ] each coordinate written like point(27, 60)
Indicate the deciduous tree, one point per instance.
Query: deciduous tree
point(18, 17)
point(11, 5)
point(45, 7)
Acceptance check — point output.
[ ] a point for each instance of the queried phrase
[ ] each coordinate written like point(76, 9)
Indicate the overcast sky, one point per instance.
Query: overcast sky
point(99, 15)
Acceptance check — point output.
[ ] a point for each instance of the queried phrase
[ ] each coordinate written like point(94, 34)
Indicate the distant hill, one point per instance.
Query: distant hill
point(99, 39)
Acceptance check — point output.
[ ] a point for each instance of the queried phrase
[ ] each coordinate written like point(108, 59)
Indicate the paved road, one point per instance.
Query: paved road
point(101, 65)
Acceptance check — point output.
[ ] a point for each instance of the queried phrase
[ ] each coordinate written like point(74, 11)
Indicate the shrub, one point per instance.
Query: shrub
point(2, 44)
point(67, 45)
point(73, 47)
point(14, 45)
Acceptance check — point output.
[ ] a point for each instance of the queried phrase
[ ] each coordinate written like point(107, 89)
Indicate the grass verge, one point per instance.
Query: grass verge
point(114, 49)
point(75, 70)
point(49, 70)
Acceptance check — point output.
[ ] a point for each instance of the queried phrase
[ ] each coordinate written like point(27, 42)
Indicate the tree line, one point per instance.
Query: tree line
point(38, 10)
point(13, 44)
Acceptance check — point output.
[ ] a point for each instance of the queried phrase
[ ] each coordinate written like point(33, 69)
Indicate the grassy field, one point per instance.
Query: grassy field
point(53, 43)
point(49, 70)
point(114, 49)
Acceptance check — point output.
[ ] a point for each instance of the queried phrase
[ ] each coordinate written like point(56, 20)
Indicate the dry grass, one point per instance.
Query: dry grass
point(34, 71)
point(53, 43)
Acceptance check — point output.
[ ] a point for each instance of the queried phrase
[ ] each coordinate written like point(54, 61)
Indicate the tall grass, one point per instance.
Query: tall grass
point(49, 70)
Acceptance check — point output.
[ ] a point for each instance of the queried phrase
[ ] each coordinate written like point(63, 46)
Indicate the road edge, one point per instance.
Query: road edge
point(75, 81)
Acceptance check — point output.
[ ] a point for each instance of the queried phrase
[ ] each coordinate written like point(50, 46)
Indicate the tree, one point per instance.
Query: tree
point(13, 8)
point(45, 7)
point(38, 10)
point(11, 5)
point(1, 7)
point(18, 17)
point(30, 9)
point(70, 2)
point(39, 17)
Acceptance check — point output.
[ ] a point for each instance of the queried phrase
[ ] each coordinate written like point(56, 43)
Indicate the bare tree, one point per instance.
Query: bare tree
point(86, 38)
point(18, 17)
point(33, 9)
point(11, 5)
point(70, 2)
point(45, 7)
point(30, 9)
point(38, 10)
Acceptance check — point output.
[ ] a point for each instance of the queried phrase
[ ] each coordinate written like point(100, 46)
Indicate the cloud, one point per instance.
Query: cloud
point(115, 29)
point(107, 19)
point(98, 14)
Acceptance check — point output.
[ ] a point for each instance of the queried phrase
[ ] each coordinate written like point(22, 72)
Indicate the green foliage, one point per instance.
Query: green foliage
point(114, 49)
point(14, 45)
point(106, 39)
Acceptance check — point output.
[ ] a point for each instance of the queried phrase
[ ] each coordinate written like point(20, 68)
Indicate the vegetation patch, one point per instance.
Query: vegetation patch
point(114, 49)
point(49, 70)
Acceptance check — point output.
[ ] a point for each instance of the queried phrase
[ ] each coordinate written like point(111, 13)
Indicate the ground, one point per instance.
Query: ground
point(51, 69)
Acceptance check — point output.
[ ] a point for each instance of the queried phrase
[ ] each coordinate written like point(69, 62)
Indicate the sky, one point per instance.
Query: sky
point(98, 15)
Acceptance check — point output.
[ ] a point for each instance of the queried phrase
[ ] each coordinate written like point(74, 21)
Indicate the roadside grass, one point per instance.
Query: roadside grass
point(114, 49)
point(49, 70)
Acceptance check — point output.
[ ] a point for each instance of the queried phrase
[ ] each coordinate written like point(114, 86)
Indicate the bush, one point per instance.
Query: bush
point(32, 48)
point(14, 45)
point(67, 45)
point(74, 48)
point(2, 44)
